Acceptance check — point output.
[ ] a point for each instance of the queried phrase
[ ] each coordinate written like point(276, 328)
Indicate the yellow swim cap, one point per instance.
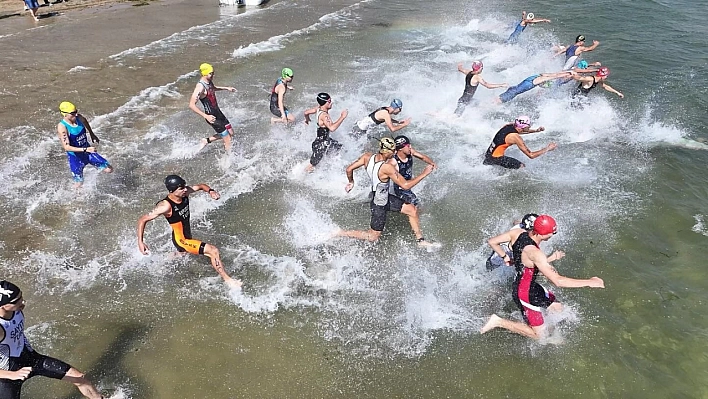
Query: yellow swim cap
point(206, 69)
point(67, 107)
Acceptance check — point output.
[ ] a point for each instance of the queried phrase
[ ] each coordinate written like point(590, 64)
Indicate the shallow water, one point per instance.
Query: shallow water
point(339, 318)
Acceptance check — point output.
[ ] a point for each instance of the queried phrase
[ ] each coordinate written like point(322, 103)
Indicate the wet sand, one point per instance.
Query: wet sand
point(38, 55)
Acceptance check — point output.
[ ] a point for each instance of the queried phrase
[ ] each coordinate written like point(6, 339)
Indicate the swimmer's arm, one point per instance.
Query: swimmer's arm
point(541, 261)
point(612, 90)
point(401, 182)
point(86, 124)
point(334, 126)
point(537, 20)
point(423, 158)
point(463, 70)
point(491, 85)
point(354, 166)
point(309, 112)
point(64, 139)
point(399, 125)
point(196, 95)
point(229, 88)
point(515, 139)
point(203, 187)
point(595, 43)
point(495, 243)
point(561, 50)
point(161, 209)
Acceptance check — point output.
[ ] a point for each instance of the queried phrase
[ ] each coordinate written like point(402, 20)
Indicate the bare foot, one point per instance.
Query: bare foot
point(430, 246)
point(493, 322)
point(234, 283)
point(309, 168)
point(202, 143)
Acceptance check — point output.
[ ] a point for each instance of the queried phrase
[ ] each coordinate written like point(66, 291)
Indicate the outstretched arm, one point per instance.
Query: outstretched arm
point(516, 139)
point(583, 49)
point(612, 90)
point(203, 187)
point(396, 177)
point(463, 70)
point(229, 88)
point(399, 125)
point(491, 85)
point(541, 261)
point(332, 126)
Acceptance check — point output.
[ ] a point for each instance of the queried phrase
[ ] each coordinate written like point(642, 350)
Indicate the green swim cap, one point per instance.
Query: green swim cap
point(287, 73)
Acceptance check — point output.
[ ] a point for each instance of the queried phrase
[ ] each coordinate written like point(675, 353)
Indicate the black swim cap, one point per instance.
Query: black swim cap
point(8, 292)
point(401, 141)
point(173, 182)
point(580, 38)
point(322, 98)
point(527, 221)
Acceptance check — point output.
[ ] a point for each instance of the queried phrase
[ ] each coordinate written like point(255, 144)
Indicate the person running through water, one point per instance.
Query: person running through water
point(19, 361)
point(72, 136)
point(510, 135)
point(528, 84)
point(323, 143)
point(501, 245)
point(572, 53)
point(526, 19)
point(175, 208)
point(403, 162)
point(587, 83)
point(382, 115)
point(277, 98)
point(530, 296)
point(205, 91)
point(382, 173)
point(473, 78)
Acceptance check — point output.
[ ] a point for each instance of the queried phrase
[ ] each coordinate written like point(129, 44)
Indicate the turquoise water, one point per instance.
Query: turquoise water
point(339, 318)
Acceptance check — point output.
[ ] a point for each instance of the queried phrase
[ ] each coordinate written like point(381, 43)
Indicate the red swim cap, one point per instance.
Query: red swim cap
point(603, 71)
point(544, 224)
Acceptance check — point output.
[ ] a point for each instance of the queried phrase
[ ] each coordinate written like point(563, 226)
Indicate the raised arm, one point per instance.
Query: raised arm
point(392, 173)
point(203, 187)
point(162, 208)
point(491, 85)
point(463, 70)
point(541, 261)
point(516, 139)
point(332, 126)
point(583, 49)
point(423, 158)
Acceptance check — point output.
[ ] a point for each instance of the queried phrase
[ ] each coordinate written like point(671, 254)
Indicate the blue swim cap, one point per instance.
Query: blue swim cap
point(396, 103)
point(583, 64)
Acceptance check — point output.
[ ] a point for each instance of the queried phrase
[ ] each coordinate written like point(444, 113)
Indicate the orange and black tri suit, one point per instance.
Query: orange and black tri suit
point(495, 152)
point(181, 231)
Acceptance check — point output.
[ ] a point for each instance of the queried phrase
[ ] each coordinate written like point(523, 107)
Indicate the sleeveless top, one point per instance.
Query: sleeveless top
point(274, 95)
point(209, 101)
point(370, 120)
point(584, 90)
point(522, 242)
point(322, 131)
point(77, 135)
point(499, 144)
point(469, 89)
point(15, 341)
point(405, 168)
point(179, 218)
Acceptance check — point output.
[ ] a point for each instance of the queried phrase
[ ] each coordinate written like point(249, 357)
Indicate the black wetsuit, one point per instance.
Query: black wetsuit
point(405, 168)
point(466, 95)
point(495, 152)
point(322, 143)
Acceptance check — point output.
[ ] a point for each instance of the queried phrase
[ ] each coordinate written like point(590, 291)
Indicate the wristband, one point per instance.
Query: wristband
point(210, 190)
point(84, 149)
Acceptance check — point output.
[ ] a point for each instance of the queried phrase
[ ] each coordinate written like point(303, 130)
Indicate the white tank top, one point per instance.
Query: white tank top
point(14, 341)
point(570, 63)
point(366, 123)
point(372, 168)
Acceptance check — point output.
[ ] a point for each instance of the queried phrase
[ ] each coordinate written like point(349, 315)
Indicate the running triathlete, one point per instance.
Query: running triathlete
point(19, 361)
point(72, 136)
point(382, 173)
point(573, 52)
point(403, 162)
point(510, 135)
point(175, 208)
point(501, 245)
point(526, 19)
point(473, 78)
point(530, 296)
point(323, 144)
point(205, 91)
point(382, 115)
point(277, 98)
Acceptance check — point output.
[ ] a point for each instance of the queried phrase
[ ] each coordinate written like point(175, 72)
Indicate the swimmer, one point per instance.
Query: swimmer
point(175, 208)
point(382, 115)
point(403, 162)
point(382, 173)
point(501, 244)
point(72, 136)
point(572, 53)
point(582, 68)
point(323, 143)
point(587, 83)
point(19, 361)
point(473, 78)
point(526, 19)
point(530, 296)
point(205, 91)
point(528, 84)
point(510, 135)
point(277, 98)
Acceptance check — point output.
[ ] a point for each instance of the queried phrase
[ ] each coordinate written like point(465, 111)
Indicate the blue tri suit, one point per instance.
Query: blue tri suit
point(515, 35)
point(79, 160)
point(522, 87)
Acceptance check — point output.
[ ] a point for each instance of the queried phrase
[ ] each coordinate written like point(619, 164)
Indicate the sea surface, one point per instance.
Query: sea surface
point(338, 318)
